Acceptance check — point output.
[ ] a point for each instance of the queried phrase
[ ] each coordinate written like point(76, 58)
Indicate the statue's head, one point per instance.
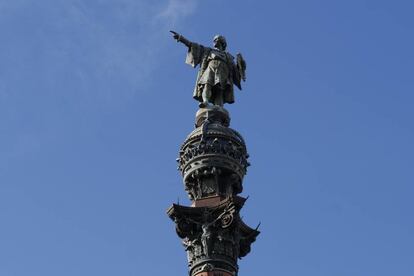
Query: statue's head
point(219, 42)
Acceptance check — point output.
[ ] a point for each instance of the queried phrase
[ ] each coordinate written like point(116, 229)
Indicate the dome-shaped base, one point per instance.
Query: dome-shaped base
point(213, 113)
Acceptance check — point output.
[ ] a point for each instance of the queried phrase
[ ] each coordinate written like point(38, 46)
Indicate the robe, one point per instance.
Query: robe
point(217, 68)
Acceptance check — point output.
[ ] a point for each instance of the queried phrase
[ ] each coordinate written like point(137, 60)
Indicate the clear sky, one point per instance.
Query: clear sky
point(95, 100)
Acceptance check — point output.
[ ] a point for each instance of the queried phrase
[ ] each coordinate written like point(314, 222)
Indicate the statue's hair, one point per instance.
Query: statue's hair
point(222, 39)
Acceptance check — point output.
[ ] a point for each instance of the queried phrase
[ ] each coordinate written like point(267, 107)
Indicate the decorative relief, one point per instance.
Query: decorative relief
point(213, 233)
point(213, 162)
point(212, 145)
point(214, 166)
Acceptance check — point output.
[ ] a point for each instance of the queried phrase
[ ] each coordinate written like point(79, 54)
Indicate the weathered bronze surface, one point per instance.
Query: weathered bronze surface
point(218, 70)
point(213, 162)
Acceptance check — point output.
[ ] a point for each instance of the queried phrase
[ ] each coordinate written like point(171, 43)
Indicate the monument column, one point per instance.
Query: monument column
point(213, 161)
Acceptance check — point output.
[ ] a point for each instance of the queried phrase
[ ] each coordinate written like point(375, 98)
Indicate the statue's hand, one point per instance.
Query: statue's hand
point(181, 39)
point(176, 35)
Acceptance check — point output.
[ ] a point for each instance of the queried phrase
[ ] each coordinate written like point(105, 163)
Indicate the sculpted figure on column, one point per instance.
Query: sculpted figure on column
point(218, 71)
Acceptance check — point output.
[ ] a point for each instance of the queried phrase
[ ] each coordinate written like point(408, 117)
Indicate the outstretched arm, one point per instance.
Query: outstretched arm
point(181, 39)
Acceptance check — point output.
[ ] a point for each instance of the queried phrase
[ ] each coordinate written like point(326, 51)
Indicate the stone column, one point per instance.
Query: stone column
point(213, 162)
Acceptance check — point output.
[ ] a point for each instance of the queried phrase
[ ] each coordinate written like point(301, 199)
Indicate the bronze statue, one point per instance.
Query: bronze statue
point(218, 71)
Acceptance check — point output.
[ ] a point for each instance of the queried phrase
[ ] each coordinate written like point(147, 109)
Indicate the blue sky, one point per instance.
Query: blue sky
point(95, 100)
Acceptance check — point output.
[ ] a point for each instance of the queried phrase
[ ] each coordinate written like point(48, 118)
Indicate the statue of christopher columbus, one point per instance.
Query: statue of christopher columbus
point(218, 71)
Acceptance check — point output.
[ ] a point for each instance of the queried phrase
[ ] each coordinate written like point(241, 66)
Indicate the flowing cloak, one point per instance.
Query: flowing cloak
point(216, 68)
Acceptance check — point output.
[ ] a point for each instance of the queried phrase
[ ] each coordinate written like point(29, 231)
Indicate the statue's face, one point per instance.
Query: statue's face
point(218, 42)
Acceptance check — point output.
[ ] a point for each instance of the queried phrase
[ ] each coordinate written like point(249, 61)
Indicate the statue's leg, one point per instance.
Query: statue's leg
point(206, 95)
point(204, 243)
point(218, 99)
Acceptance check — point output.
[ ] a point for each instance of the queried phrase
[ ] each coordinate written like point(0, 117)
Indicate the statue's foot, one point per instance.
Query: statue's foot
point(202, 105)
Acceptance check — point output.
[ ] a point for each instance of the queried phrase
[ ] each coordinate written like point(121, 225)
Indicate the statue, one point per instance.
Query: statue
point(218, 71)
point(207, 237)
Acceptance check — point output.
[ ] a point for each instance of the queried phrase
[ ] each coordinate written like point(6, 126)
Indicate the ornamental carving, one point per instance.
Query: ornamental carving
point(213, 233)
point(213, 163)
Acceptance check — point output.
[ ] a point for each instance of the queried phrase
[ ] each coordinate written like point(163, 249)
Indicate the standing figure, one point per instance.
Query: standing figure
point(218, 71)
point(207, 237)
